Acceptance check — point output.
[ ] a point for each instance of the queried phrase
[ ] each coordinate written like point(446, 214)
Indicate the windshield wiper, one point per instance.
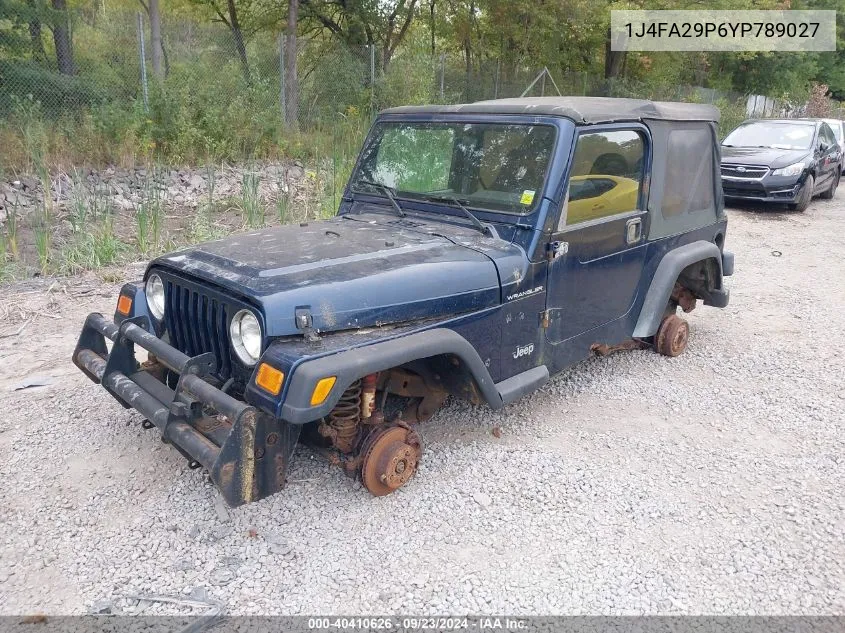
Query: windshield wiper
point(388, 191)
point(485, 230)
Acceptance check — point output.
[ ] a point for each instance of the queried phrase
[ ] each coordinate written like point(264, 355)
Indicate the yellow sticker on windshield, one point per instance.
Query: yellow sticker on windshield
point(527, 197)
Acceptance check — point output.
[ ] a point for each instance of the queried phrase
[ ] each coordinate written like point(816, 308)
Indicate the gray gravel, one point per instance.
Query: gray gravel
point(710, 483)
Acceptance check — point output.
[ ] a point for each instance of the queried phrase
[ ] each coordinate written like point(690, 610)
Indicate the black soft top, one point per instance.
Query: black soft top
point(584, 110)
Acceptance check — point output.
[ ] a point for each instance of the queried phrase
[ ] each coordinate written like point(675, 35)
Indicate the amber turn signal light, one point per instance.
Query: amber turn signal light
point(322, 390)
point(124, 305)
point(269, 379)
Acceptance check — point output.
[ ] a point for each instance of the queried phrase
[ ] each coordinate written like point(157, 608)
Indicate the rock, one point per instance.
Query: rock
point(221, 576)
point(122, 203)
point(184, 565)
point(220, 532)
point(221, 510)
point(280, 549)
point(482, 499)
point(199, 593)
point(101, 607)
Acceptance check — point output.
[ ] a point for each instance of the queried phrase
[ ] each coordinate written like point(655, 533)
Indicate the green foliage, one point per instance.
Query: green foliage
point(94, 249)
point(206, 109)
point(733, 113)
point(149, 217)
point(55, 93)
point(252, 208)
point(43, 242)
point(11, 239)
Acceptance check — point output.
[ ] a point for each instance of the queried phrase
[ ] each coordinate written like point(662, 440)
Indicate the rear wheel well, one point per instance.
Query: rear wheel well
point(702, 277)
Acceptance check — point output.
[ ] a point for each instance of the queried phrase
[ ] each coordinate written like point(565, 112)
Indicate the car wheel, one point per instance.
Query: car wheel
point(672, 336)
point(805, 196)
point(828, 195)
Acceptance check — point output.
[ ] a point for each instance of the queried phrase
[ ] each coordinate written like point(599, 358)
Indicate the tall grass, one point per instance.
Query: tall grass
point(252, 209)
point(202, 226)
point(94, 249)
point(149, 215)
point(43, 241)
point(93, 236)
point(12, 230)
point(4, 260)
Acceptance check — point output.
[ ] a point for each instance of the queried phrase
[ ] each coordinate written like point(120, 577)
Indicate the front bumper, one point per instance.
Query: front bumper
point(774, 189)
point(245, 450)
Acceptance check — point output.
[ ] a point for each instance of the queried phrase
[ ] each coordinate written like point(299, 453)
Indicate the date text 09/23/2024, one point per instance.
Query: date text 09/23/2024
point(412, 623)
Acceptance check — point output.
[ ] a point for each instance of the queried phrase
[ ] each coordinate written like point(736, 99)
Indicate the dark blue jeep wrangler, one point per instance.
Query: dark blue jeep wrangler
point(478, 249)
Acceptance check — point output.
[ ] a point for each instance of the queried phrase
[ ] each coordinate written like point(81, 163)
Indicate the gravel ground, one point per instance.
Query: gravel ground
point(710, 483)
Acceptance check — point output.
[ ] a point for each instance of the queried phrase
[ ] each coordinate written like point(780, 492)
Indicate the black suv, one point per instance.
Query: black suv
point(788, 161)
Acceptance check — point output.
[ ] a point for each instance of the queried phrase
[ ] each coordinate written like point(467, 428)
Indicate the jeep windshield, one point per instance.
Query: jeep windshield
point(487, 166)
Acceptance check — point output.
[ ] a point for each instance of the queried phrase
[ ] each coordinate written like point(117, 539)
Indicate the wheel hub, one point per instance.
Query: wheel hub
point(390, 459)
point(673, 335)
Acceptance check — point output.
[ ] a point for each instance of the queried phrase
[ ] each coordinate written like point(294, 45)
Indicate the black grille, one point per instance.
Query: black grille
point(744, 190)
point(198, 323)
point(744, 171)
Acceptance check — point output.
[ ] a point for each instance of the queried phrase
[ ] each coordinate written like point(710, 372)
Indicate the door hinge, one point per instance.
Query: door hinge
point(545, 318)
point(555, 249)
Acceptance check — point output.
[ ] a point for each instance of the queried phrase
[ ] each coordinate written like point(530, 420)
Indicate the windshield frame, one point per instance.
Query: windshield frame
point(794, 123)
point(445, 208)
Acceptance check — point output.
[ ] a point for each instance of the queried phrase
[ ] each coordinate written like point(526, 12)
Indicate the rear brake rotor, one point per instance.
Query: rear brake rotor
point(390, 459)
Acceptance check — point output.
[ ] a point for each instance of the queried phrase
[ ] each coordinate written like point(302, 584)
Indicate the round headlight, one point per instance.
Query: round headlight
point(155, 296)
point(246, 336)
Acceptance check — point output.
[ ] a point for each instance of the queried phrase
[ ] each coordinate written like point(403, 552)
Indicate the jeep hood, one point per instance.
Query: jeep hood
point(354, 271)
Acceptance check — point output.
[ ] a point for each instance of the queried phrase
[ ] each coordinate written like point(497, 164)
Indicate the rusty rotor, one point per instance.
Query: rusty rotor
point(672, 336)
point(390, 459)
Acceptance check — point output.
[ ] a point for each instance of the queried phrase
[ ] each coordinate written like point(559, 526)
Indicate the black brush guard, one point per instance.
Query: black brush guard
point(246, 452)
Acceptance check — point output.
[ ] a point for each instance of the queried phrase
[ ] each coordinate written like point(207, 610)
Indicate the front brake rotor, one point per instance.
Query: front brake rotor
point(390, 459)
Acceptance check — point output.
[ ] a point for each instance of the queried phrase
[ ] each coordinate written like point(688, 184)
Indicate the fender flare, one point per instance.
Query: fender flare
point(663, 282)
point(350, 365)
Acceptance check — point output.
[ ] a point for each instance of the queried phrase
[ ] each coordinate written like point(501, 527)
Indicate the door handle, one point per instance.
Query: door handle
point(633, 230)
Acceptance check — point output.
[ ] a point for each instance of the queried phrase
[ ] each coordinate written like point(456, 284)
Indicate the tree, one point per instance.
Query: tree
point(364, 22)
point(291, 79)
point(431, 23)
point(157, 51)
point(230, 16)
point(237, 34)
point(392, 38)
point(36, 40)
point(613, 60)
point(155, 38)
point(62, 38)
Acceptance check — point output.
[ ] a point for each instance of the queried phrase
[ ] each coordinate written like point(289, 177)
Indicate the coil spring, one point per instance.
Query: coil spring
point(345, 417)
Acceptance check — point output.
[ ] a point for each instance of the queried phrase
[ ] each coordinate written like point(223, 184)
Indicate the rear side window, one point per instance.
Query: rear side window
point(606, 176)
point(688, 185)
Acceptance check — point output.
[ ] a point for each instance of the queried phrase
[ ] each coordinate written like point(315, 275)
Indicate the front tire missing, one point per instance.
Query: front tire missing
point(390, 459)
point(672, 336)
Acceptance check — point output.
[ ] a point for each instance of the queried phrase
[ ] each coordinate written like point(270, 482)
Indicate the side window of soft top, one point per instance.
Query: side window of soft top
point(606, 176)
